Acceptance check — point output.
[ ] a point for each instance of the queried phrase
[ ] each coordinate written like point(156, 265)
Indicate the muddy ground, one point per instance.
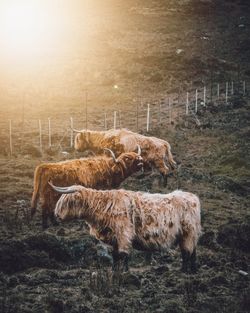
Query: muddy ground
point(63, 269)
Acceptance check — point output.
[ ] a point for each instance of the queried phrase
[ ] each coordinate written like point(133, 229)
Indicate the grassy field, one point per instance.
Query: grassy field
point(63, 269)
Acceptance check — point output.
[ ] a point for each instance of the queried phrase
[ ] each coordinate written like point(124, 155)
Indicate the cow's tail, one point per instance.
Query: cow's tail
point(37, 183)
point(169, 156)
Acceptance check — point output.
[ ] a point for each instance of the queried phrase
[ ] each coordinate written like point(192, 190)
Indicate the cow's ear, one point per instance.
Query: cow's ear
point(115, 169)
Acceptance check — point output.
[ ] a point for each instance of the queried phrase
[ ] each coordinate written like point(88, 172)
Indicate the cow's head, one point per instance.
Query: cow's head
point(71, 204)
point(127, 163)
point(82, 140)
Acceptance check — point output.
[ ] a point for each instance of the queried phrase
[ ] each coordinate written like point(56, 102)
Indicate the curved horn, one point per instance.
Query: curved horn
point(112, 154)
point(70, 189)
point(76, 130)
point(138, 149)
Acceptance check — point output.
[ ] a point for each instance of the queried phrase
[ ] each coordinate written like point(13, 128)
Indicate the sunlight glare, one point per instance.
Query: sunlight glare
point(28, 27)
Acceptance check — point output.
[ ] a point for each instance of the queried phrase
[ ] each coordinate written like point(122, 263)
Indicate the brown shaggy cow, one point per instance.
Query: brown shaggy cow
point(126, 219)
point(155, 152)
point(99, 172)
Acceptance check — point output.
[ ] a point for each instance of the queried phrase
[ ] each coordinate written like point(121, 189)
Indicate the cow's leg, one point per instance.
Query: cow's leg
point(188, 251)
point(32, 212)
point(193, 262)
point(188, 261)
point(185, 260)
point(51, 209)
point(44, 216)
point(149, 259)
point(163, 169)
point(53, 219)
point(124, 259)
point(116, 260)
point(120, 260)
point(165, 180)
point(123, 248)
point(147, 169)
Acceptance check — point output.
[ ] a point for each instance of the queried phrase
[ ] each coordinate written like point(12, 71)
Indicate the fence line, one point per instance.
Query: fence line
point(148, 117)
point(187, 104)
point(10, 135)
point(143, 117)
point(170, 111)
point(204, 96)
point(137, 117)
point(105, 121)
point(120, 119)
point(196, 101)
point(40, 135)
point(49, 129)
point(71, 132)
point(226, 92)
point(86, 108)
point(115, 119)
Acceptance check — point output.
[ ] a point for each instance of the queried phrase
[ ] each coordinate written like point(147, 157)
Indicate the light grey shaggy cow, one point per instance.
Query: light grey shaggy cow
point(126, 219)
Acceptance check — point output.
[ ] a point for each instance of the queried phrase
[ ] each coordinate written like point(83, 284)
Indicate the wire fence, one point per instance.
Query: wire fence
point(50, 133)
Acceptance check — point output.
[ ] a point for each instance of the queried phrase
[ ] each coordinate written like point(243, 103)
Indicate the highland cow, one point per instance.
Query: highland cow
point(126, 219)
point(99, 172)
point(156, 152)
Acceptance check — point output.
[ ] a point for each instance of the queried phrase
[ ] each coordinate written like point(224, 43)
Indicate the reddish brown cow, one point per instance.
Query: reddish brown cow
point(99, 172)
point(156, 152)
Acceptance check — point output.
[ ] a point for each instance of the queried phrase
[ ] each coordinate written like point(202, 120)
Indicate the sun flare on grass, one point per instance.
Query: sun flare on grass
point(29, 28)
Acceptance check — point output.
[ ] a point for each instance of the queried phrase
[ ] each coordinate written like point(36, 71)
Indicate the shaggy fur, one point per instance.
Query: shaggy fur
point(126, 219)
point(155, 152)
point(98, 172)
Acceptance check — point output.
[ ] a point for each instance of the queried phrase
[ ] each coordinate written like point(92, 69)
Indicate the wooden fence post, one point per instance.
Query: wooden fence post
point(10, 133)
point(40, 135)
point(71, 132)
point(137, 117)
point(49, 127)
point(148, 116)
point(232, 88)
point(23, 102)
point(196, 101)
point(204, 96)
point(86, 109)
point(120, 119)
point(159, 112)
point(105, 121)
point(179, 95)
point(170, 110)
point(114, 119)
point(226, 92)
point(218, 91)
point(187, 103)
